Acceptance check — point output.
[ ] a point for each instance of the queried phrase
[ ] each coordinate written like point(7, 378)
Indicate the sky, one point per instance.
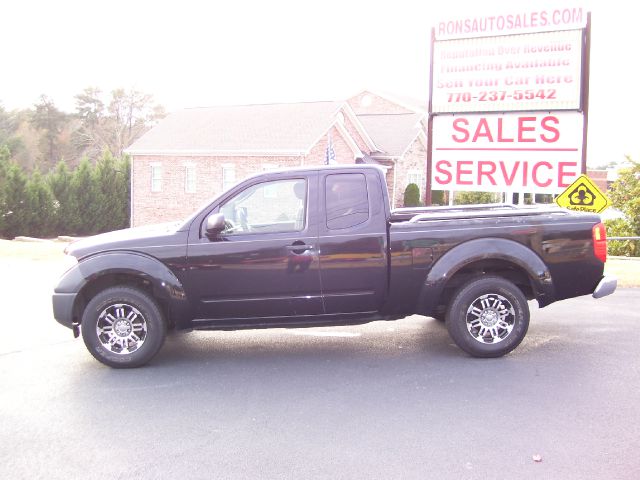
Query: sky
point(202, 53)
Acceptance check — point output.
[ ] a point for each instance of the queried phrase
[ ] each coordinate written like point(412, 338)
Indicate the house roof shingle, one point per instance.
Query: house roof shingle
point(286, 128)
point(392, 133)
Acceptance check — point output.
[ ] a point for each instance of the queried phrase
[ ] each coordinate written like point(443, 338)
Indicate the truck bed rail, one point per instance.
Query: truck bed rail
point(414, 215)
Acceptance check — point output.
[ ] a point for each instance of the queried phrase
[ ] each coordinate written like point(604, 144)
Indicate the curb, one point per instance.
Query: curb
point(621, 257)
point(61, 238)
point(31, 239)
point(66, 238)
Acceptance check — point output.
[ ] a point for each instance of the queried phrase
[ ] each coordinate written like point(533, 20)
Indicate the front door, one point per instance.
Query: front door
point(264, 264)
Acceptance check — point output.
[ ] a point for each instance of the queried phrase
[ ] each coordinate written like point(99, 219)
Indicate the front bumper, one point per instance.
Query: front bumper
point(63, 308)
point(606, 286)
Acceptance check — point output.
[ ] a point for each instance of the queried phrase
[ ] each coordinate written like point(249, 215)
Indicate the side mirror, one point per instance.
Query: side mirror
point(215, 224)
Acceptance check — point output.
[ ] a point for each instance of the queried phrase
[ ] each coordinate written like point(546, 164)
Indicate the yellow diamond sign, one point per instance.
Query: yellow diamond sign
point(583, 195)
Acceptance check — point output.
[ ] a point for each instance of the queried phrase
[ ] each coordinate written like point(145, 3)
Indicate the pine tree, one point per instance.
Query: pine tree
point(51, 122)
point(39, 207)
point(5, 156)
point(124, 191)
point(14, 209)
point(65, 205)
point(111, 194)
point(86, 198)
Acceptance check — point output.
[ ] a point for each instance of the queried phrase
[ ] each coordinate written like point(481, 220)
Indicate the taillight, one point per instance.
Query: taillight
point(599, 234)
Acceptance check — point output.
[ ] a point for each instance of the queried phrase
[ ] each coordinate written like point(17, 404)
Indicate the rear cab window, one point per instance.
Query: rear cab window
point(346, 200)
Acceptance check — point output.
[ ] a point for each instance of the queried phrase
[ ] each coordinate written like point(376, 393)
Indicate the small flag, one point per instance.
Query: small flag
point(330, 155)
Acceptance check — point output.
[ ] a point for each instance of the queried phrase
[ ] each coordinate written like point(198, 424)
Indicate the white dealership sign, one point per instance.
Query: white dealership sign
point(526, 151)
point(540, 71)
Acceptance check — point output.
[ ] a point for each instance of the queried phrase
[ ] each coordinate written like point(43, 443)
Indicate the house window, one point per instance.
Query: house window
point(228, 176)
point(156, 177)
point(190, 178)
point(419, 178)
point(270, 191)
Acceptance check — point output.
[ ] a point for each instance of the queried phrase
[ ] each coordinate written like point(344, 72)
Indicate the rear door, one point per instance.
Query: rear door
point(353, 241)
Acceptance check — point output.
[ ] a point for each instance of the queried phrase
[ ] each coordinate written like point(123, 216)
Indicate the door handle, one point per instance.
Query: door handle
point(299, 248)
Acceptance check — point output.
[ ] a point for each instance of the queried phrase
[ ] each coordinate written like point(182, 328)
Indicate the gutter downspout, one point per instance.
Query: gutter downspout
point(395, 178)
point(131, 191)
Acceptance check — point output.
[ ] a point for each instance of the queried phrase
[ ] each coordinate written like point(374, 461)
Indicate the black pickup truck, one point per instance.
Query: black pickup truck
point(320, 246)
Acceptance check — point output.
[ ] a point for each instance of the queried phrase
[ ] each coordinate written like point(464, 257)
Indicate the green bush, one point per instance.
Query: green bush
point(39, 220)
point(85, 201)
point(474, 198)
point(625, 196)
point(621, 228)
point(111, 179)
point(412, 195)
point(5, 156)
point(438, 197)
point(65, 207)
point(14, 207)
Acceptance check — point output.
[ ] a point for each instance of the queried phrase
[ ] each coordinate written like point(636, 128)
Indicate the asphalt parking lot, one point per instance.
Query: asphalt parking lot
point(383, 400)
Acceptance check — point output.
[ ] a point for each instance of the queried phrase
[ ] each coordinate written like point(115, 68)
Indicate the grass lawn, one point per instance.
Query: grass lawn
point(45, 250)
point(626, 269)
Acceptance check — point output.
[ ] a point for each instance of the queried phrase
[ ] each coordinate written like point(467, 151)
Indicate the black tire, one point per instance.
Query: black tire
point(488, 317)
point(123, 327)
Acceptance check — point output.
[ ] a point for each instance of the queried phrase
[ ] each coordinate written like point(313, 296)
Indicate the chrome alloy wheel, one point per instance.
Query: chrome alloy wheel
point(490, 318)
point(121, 328)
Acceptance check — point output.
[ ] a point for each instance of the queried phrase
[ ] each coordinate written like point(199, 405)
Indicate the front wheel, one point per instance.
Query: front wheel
point(123, 327)
point(488, 317)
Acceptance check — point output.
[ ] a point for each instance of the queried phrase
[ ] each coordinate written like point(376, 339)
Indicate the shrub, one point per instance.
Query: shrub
point(474, 198)
point(412, 195)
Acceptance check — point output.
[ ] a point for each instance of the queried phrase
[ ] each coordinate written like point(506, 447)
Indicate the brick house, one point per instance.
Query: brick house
point(195, 154)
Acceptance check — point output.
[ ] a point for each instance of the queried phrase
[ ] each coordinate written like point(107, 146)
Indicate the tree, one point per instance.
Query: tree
point(111, 180)
point(83, 189)
point(51, 121)
point(115, 124)
point(9, 123)
point(412, 195)
point(5, 156)
point(39, 219)
point(66, 208)
point(14, 211)
point(625, 196)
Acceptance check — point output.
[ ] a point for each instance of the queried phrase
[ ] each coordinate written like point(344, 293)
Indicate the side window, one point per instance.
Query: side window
point(418, 177)
point(269, 207)
point(190, 178)
point(228, 176)
point(156, 177)
point(347, 201)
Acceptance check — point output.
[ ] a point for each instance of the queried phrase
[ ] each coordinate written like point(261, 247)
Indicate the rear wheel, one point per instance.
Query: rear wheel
point(488, 317)
point(123, 327)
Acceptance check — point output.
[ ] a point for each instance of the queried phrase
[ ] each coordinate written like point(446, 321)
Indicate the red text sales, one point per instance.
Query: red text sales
point(522, 152)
